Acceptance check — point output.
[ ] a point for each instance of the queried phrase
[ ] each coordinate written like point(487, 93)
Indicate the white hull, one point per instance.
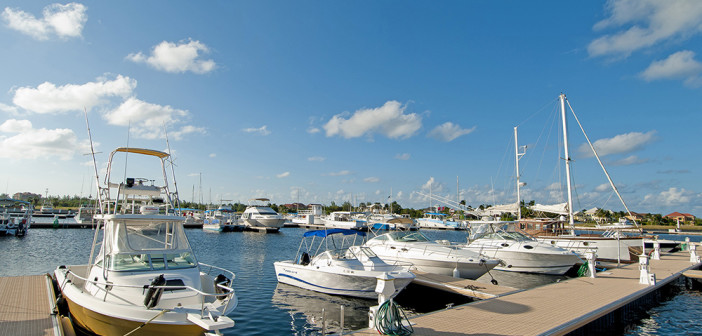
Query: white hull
point(336, 281)
point(540, 263)
point(436, 224)
point(466, 270)
point(606, 248)
point(264, 223)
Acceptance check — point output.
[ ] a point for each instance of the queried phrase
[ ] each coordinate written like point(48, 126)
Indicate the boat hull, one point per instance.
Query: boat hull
point(539, 263)
point(607, 249)
point(345, 282)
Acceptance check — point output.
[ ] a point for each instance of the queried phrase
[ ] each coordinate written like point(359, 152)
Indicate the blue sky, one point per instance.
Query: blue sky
point(322, 101)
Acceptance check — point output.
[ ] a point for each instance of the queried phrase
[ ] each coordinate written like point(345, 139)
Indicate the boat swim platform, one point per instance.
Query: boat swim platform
point(27, 306)
point(554, 309)
point(466, 287)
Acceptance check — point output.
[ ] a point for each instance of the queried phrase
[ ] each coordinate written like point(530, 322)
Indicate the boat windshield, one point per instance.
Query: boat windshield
point(408, 237)
point(146, 246)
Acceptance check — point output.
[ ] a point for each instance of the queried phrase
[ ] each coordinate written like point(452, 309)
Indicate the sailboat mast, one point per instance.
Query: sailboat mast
point(516, 160)
point(562, 98)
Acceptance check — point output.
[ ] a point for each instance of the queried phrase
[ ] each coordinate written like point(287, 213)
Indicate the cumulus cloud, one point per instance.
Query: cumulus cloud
point(49, 98)
point(623, 143)
point(371, 179)
point(63, 21)
point(313, 130)
point(680, 65)
point(147, 120)
point(645, 23)
point(185, 130)
point(263, 130)
point(603, 187)
point(26, 142)
point(177, 57)
point(8, 109)
point(389, 120)
point(432, 185)
point(629, 160)
point(672, 197)
point(281, 175)
point(449, 131)
point(213, 155)
point(403, 156)
point(315, 158)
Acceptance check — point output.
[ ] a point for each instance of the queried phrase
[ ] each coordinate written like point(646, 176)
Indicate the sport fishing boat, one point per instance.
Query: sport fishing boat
point(342, 268)
point(437, 220)
point(145, 275)
point(221, 219)
point(430, 256)
point(260, 217)
point(15, 217)
point(519, 252)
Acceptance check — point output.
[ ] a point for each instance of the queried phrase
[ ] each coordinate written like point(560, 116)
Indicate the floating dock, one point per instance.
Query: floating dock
point(467, 287)
point(554, 309)
point(26, 306)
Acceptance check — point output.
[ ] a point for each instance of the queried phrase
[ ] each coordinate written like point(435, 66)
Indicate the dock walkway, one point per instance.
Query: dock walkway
point(467, 287)
point(554, 309)
point(25, 306)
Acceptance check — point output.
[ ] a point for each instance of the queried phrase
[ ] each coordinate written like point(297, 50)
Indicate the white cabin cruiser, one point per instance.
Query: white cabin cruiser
point(430, 256)
point(390, 221)
point(436, 220)
point(221, 219)
point(261, 217)
point(15, 217)
point(345, 220)
point(310, 216)
point(519, 252)
point(145, 275)
point(342, 268)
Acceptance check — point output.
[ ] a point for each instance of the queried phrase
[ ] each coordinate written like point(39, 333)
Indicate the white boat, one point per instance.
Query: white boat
point(310, 216)
point(436, 220)
point(390, 221)
point(221, 219)
point(260, 217)
point(342, 268)
point(430, 256)
point(15, 217)
point(519, 252)
point(85, 214)
point(145, 275)
point(344, 220)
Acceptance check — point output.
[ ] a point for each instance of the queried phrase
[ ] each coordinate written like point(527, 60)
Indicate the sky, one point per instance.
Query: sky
point(361, 101)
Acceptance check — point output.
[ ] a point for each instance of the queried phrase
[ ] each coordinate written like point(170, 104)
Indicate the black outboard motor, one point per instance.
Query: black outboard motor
point(153, 295)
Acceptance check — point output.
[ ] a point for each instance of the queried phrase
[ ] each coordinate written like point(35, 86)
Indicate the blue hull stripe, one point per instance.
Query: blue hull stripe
point(336, 289)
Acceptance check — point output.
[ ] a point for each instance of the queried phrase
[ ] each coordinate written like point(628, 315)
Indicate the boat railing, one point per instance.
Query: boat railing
point(228, 292)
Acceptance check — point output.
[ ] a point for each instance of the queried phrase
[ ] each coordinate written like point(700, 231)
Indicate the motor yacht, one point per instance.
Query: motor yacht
point(430, 256)
point(142, 273)
point(436, 220)
point(519, 252)
point(260, 217)
point(342, 268)
point(15, 217)
point(221, 219)
point(345, 220)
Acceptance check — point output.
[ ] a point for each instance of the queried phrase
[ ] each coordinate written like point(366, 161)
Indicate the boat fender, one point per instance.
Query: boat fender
point(153, 295)
point(224, 281)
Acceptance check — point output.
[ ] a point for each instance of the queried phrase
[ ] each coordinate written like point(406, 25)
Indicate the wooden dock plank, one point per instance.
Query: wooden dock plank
point(24, 306)
point(554, 309)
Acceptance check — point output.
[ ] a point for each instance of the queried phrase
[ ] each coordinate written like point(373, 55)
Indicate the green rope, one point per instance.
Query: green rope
point(389, 320)
point(582, 271)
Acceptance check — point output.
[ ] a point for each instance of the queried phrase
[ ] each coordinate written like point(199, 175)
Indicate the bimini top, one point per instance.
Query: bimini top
point(11, 201)
point(329, 232)
point(144, 151)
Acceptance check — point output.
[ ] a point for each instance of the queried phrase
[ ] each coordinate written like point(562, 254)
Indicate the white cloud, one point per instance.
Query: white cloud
point(399, 195)
point(651, 22)
point(680, 65)
point(371, 179)
point(403, 156)
point(147, 120)
point(281, 175)
point(432, 186)
point(62, 20)
point(30, 143)
point(603, 187)
point(313, 130)
point(213, 155)
point(185, 130)
point(177, 58)
point(629, 160)
point(449, 131)
point(340, 173)
point(388, 120)
point(623, 143)
point(672, 197)
point(8, 109)
point(48, 98)
point(316, 158)
point(263, 130)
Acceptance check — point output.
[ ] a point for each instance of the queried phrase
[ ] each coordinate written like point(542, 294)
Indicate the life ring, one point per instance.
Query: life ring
point(153, 295)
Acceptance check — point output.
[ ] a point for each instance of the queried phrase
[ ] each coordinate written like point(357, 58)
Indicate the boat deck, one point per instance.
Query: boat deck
point(472, 288)
point(554, 309)
point(26, 306)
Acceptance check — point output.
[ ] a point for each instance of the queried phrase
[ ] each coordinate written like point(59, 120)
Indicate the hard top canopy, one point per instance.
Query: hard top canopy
point(144, 151)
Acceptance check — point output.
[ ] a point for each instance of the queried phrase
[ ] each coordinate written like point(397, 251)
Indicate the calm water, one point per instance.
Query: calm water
point(266, 307)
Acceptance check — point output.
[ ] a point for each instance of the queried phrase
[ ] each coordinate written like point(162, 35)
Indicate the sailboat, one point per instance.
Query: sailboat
point(611, 246)
point(145, 275)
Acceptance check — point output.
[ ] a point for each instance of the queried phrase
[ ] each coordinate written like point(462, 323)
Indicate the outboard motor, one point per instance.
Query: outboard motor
point(153, 295)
